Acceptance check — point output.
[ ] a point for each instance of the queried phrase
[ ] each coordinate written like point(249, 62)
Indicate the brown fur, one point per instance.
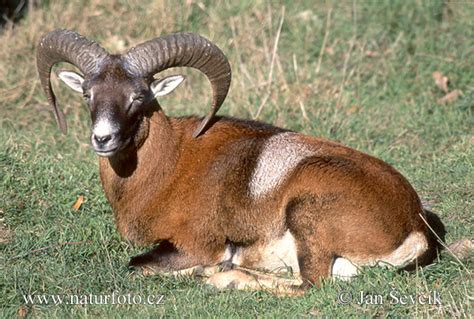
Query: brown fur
point(192, 194)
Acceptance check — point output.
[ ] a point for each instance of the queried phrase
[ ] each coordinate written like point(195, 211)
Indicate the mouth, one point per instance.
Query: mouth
point(112, 151)
point(107, 153)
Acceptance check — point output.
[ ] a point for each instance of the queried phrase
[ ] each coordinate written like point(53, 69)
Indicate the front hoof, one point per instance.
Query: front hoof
point(148, 270)
point(142, 265)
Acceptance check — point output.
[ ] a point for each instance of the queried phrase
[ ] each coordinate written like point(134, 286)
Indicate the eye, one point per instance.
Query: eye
point(138, 99)
point(135, 101)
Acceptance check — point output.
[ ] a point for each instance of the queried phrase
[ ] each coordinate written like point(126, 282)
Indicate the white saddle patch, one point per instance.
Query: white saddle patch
point(280, 154)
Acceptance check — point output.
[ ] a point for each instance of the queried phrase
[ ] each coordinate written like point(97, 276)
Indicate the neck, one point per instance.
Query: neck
point(153, 141)
point(150, 159)
point(145, 168)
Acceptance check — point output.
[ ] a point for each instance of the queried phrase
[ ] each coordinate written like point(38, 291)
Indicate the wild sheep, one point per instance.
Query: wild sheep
point(218, 191)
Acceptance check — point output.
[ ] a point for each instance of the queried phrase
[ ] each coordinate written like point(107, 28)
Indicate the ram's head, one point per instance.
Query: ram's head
point(119, 89)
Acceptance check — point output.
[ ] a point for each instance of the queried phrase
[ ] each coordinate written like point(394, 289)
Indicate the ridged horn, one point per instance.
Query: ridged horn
point(65, 46)
point(184, 49)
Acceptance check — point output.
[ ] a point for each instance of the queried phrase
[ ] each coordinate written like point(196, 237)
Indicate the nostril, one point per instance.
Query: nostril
point(103, 138)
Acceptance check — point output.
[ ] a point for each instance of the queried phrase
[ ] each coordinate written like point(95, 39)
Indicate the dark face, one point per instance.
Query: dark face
point(117, 103)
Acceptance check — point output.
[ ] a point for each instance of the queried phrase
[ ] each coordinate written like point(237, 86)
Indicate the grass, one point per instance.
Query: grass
point(359, 73)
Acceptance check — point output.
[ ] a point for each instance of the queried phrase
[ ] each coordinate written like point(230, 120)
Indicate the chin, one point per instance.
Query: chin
point(106, 153)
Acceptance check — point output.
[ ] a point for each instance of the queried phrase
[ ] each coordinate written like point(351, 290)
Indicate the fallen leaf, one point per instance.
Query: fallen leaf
point(78, 203)
point(441, 81)
point(450, 97)
point(372, 54)
point(352, 110)
point(462, 248)
point(329, 51)
point(22, 311)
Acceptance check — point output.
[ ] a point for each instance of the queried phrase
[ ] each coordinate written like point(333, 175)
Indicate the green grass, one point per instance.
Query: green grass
point(368, 85)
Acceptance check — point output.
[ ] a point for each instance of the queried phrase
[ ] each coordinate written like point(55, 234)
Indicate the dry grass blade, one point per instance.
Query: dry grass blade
point(444, 244)
point(344, 72)
point(323, 46)
point(43, 249)
point(270, 73)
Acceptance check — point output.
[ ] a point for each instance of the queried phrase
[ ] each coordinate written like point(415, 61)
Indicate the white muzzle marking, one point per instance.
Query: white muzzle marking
point(104, 127)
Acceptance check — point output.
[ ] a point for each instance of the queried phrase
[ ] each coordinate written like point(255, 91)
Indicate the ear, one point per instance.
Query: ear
point(72, 79)
point(165, 86)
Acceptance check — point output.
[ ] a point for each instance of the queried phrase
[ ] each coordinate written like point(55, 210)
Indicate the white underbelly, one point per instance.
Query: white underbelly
point(280, 255)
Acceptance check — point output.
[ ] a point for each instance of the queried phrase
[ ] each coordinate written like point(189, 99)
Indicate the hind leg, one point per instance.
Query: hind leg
point(315, 263)
point(305, 220)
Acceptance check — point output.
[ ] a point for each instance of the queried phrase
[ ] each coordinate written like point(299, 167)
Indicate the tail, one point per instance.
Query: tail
point(435, 234)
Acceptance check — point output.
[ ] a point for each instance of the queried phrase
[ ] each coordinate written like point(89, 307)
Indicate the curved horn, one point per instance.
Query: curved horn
point(184, 49)
point(65, 46)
